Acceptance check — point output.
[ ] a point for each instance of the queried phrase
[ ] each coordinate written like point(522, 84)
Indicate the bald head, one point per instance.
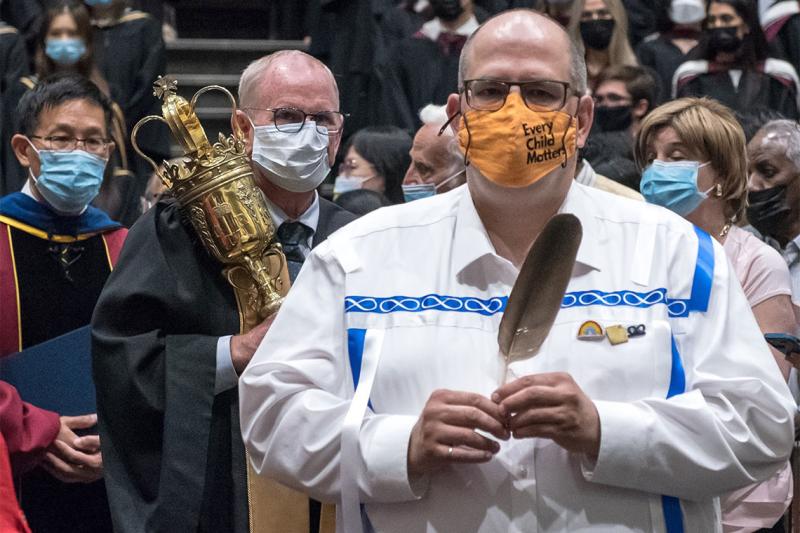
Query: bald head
point(263, 79)
point(525, 33)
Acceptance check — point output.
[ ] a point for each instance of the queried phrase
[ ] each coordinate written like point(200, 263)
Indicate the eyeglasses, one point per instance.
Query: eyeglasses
point(292, 120)
point(490, 95)
point(65, 143)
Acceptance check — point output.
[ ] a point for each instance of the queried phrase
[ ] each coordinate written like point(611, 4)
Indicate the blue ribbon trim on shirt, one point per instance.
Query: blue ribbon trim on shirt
point(676, 307)
point(673, 516)
point(429, 302)
point(355, 351)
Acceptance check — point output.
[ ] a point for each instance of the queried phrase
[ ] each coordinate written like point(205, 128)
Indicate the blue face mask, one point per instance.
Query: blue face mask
point(418, 192)
point(673, 185)
point(98, 2)
point(65, 51)
point(69, 180)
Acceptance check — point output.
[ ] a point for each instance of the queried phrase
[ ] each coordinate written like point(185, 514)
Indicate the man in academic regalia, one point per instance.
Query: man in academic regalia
point(165, 363)
point(423, 69)
point(56, 252)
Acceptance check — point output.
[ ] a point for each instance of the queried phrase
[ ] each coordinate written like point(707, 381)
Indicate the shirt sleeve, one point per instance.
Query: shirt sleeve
point(732, 426)
point(27, 429)
point(767, 276)
point(297, 389)
point(226, 374)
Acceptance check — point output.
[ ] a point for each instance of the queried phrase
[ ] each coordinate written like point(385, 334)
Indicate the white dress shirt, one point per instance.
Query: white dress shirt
point(433, 28)
point(226, 374)
point(408, 299)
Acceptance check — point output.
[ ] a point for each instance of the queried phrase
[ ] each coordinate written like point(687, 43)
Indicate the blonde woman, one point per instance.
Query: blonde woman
point(693, 154)
point(602, 27)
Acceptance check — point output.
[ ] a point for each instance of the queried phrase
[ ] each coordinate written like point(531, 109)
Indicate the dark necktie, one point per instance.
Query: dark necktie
point(293, 236)
point(451, 43)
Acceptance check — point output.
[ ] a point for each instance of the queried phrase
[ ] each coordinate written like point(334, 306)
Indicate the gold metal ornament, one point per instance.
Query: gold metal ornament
point(215, 189)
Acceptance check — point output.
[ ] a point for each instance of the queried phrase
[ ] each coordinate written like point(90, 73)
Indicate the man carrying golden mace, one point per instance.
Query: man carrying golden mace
point(193, 294)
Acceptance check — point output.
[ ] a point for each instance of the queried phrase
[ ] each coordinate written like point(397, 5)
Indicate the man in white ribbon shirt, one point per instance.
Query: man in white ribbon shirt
point(396, 403)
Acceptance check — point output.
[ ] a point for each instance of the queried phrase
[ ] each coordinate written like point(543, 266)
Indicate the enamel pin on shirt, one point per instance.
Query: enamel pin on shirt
point(590, 331)
point(539, 289)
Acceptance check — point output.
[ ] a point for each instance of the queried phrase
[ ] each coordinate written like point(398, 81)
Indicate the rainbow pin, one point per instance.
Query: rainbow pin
point(590, 331)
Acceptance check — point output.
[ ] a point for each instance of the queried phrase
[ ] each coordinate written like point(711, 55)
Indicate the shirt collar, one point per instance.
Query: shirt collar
point(471, 241)
point(587, 176)
point(775, 244)
point(433, 28)
point(310, 217)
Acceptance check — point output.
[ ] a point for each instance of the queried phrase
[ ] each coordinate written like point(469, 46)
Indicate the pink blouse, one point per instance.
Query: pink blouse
point(763, 274)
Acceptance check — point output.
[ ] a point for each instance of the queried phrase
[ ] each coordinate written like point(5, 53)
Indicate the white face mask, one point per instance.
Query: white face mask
point(297, 162)
point(344, 183)
point(687, 11)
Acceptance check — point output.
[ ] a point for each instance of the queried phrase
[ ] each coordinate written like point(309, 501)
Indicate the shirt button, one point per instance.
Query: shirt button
point(523, 470)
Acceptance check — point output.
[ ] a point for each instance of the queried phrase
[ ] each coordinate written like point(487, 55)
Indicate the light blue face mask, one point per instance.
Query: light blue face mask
point(673, 185)
point(69, 180)
point(418, 191)
point(65, 51)
point(425, 190)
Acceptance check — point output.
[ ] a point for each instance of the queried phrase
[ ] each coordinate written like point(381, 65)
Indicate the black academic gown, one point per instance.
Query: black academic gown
point(417, 74)
point(13, 65)
point(663, 58)
point(131, 56)
point(172, 449)
point(756, 90)
point(787, 42)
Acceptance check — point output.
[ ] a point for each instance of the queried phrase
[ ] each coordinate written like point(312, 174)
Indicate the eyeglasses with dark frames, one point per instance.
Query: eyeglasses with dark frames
point(65, 143)
point(538, 95)
point(292, 120)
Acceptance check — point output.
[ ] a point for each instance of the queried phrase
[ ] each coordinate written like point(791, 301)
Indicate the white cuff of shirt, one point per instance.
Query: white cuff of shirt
point(623, 435)
point(386, 458)
point(227, 378)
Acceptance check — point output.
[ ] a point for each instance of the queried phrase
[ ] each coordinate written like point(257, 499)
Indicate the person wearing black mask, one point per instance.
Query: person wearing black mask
point(602, 27)
point(731, 64)
point(624, 95)
point(774, 191)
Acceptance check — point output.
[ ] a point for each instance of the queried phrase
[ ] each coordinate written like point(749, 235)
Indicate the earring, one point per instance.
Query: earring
point(718, 190)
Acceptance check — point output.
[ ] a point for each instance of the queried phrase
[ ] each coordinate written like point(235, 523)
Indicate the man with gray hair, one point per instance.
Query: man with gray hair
point(649, 390)
point(167, 358)
point(436, 166)
point(773, 156)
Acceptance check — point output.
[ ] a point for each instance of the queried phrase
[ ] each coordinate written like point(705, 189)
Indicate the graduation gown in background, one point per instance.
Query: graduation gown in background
point(131, 55)
point(355, 50)
point(172, 449)
point(663, 58)
point(772, 85)
point(13, 66)
point(26, 16)
point(52, 269)
point(786, 43)
point(417, 74)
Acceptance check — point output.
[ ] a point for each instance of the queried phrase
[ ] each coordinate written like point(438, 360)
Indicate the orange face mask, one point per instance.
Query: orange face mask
point(515, 145)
